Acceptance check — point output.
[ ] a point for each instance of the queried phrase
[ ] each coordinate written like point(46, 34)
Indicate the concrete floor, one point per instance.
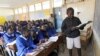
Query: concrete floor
point(87, 52)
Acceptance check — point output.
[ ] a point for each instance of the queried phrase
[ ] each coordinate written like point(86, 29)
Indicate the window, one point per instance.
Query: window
point(31, 8)
point(46, 5)
point(24, 9)
point(19, 10)
point(16, 11)
point(71, 1)
point(38, 6)
point(58, 3)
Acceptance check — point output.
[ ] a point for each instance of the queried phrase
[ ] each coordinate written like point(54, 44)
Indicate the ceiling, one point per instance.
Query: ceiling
point(14, 3)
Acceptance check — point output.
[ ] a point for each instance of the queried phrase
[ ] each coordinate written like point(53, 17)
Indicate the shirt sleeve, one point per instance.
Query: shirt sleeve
point(82, 26)
point(31, 43)
point(65, 28)
point(21, 46)
point(6, 39)
point(40, 36)
point(79, 22)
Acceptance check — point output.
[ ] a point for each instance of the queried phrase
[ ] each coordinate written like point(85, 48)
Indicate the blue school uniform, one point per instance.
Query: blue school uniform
point(35, 29)
point(51, 31)
point(8, 38)
point(17, 34)
point(24, 45)
point(42, 35)
point(1, 34)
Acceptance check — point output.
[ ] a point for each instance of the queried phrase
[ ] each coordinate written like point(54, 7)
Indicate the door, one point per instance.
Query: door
point(58, 18)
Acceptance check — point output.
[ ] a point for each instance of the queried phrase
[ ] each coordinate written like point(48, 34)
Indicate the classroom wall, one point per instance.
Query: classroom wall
point(96, 43)
point(96, 28)
point(86, 9)
point(7, 13)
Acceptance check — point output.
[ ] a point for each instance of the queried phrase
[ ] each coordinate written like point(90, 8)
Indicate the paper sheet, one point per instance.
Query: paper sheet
point(53, 38)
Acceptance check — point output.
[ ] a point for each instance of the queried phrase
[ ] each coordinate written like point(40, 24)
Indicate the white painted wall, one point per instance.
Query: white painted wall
point(8, 13)
point(85, 8)
point(96, 29)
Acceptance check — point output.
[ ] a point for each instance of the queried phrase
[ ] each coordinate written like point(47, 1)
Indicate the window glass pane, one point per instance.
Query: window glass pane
point(24, 9)
point(38, 6)
point(58, 3)
point(31, 8)
point(46, 5)
point(16, 11)
point(19, 10)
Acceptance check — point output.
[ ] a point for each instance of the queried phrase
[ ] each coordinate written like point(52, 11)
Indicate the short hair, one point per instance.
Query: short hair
point(10, 27)
point(24, 29)
point(70, 9)
point(2, 27)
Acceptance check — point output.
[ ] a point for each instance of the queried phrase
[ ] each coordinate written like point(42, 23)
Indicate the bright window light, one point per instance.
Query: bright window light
point(24, 9)
point(31, 8)
point(16, 11)
point(58, 3)
point(38, 6)
point(46, 5)
point(20, 10)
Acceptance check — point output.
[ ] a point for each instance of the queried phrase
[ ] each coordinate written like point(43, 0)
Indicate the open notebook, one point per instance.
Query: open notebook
point(38, 50)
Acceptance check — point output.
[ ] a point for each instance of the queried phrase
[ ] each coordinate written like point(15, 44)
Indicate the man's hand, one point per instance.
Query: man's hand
point(89, 22)
point(73, 28)
point(1, 41)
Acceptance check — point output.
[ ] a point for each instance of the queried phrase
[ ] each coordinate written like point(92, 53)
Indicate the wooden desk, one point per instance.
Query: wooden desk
point(46, 51)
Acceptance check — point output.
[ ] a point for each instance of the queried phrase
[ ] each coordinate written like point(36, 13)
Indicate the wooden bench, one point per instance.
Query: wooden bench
point(85, 36)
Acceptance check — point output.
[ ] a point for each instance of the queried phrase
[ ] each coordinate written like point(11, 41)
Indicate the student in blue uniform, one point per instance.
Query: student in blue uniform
point(23, 23)
point(24, 43)
point(9, 40)
point(1, 31)
point(17, 31)
point(51, 30)
point(42, 34)
point(5, 26)
point(1, 40)
point(1, 34)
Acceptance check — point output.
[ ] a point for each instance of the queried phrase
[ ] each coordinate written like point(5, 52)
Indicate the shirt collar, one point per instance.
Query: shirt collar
point(23, 37)
point(1, 32)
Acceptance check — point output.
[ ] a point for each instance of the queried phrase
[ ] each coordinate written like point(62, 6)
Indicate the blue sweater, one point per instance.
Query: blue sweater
point(42, 34)
point(51, 31)
point(24, 45)
point(8, 38)
point(17, 34)
point(1, 34)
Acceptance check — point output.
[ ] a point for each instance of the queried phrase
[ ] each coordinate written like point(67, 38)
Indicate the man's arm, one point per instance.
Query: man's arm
point(81, 26)
point(65, 28)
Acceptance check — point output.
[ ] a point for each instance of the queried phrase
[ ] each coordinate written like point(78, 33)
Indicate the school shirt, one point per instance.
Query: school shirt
point(24, 45)
point(1, 34)
point(42, 34)
point(35, 30)
point(67, 25)
point(8, 38)
point(17, 34)
point(51, 31)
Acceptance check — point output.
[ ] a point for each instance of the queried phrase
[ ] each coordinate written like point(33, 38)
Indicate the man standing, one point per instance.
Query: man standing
point(51, 19)
point(71, 31)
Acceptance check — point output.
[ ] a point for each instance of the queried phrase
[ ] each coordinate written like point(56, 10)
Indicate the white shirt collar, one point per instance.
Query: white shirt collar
point(23, 37)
